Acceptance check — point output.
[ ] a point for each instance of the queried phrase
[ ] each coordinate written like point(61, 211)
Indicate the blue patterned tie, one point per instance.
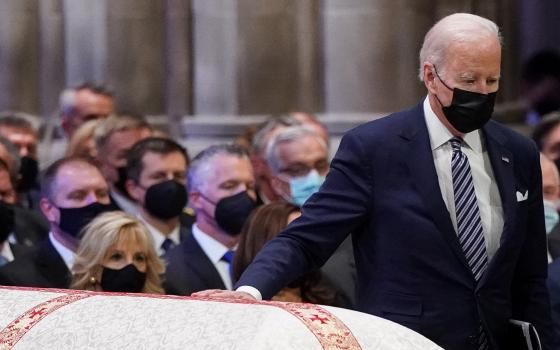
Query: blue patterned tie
point(228, 257)
point(469, 225)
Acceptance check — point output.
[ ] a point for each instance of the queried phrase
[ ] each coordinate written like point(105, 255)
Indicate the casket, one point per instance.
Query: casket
point(68, 319)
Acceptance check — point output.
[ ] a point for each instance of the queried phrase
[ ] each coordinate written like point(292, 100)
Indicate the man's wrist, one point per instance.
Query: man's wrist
point(254, 292)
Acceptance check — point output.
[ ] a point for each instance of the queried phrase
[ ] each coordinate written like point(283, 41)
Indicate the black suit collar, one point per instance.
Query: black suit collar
point(51, 265)
point(424, 176)
point(202, 267)
point(502, 161)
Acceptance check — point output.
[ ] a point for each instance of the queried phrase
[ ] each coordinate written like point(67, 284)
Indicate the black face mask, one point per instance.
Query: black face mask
point(468, 110)
point(126, 280)
point(29, 169)
point(73, 220)
point(120, 185)
point(166, 200)
point(7, 220)
point(232, 212)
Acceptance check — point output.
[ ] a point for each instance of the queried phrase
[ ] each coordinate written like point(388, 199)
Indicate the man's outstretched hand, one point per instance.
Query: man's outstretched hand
point(223, 294)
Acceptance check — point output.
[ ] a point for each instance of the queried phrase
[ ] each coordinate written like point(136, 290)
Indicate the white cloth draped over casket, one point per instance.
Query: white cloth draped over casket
point(64, 319)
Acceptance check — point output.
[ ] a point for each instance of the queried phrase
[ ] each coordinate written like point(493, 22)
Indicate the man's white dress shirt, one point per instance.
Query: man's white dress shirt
point(214, 250)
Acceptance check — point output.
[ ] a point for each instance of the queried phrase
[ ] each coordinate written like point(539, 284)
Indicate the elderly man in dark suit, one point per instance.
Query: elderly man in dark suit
point(73, 192)
point(445, 207)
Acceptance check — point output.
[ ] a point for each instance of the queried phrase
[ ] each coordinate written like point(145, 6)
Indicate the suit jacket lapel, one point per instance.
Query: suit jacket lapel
point(200, 264)
point(425, 179)
point(51, 265)
point(502, 165)
point(184, 233)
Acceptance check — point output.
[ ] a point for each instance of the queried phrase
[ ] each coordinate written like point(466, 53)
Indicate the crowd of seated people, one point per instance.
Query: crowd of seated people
point(176, 225)
point(125, 208)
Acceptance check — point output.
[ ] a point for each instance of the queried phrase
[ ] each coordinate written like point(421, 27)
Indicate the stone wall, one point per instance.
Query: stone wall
point(237, 57)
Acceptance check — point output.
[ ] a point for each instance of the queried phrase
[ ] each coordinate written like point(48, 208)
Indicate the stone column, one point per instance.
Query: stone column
point(52, 76)
point(215, 43)
point(371, 50)
point(85, 29)
point(277, 56)
point(256, 56)
point(178, 58)
point(18, 55)
point(136, 54)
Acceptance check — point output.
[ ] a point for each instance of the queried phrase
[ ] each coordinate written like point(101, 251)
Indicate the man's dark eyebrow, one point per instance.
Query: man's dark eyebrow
point(79, 191)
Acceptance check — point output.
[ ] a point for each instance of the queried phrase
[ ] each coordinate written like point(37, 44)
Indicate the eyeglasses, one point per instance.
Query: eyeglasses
point(300, 169)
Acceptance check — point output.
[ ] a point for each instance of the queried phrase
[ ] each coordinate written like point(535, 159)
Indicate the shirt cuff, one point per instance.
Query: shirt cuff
point(254, 292)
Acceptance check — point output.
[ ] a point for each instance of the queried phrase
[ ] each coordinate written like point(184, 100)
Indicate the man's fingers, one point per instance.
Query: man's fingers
point(206, 293)
point(224, 294)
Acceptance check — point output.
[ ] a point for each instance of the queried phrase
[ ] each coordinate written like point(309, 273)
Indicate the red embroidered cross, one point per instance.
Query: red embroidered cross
point(316, 317)
point(37, 313)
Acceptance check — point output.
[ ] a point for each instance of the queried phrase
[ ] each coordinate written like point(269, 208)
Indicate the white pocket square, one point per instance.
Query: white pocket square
point(522, 196)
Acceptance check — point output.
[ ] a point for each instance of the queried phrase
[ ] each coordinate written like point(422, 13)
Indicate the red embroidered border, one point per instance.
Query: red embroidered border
point(14, 331)
point(329, 330)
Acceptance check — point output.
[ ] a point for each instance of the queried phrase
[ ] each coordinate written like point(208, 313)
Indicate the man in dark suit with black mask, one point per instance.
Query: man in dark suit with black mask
point(73, 192)
point(222, 193)
point(157, 172)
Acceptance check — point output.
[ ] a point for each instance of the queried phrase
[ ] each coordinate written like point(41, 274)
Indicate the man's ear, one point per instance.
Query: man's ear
point(66, 124)
point(134, 190)
point(49, 210)
point(429, 77)
point(195, 200)
point(280, 188)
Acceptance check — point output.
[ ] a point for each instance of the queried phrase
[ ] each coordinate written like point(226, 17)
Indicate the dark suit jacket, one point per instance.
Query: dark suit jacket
point(20, 251)
point(30, 227)
point(42, 267)
point(411, 269)
point(189, 270)
point(553, 283)
point(554, 242)
point(339, 272)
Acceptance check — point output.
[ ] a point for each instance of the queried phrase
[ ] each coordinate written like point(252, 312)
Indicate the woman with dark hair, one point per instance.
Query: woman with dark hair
point(263, 224)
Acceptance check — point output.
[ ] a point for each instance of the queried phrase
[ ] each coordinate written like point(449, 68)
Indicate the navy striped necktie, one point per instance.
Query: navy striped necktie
point(469, 225)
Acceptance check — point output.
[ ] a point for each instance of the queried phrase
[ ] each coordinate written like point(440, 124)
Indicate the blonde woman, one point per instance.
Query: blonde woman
point(81, 143)
point(116, 254)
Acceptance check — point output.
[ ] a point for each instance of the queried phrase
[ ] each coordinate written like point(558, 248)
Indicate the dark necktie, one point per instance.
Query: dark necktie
point(469, 225)
point(228, 257)
point(167, 245)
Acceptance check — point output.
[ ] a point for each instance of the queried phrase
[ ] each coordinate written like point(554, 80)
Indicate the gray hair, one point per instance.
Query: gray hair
point(287, 135)
point(116, 123)
point(199, 167)
point(260, 138)
point(463, 27)
point(19, 120)
point(67, 99)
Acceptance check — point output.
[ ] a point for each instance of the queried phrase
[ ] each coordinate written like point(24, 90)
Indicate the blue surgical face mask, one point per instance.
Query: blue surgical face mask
point(550, 215)
point(301, 188)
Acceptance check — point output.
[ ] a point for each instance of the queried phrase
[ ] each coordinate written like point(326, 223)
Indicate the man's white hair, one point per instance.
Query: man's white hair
point(289, 134)
point(458, 27)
